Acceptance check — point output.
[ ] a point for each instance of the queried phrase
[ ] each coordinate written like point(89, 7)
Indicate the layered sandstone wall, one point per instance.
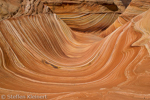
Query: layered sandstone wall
point(88, 16)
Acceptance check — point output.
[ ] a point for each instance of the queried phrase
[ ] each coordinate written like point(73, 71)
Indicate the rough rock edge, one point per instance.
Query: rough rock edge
point(27, 7)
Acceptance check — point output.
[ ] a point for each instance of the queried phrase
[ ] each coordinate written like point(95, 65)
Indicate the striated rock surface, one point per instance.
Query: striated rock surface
point(41, 57)
point(135, 8)
point(88, 16)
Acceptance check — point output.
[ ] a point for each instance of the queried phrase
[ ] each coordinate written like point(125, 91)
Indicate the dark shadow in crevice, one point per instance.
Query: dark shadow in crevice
point(111, 7)
point(126, 2)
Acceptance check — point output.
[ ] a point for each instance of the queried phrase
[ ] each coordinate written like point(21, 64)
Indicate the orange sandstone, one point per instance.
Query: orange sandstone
point(40, 55)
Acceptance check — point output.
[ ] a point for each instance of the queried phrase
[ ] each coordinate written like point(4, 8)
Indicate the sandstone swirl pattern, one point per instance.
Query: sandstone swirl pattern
point(41, 55)
point(135, 8)
point(88, 16)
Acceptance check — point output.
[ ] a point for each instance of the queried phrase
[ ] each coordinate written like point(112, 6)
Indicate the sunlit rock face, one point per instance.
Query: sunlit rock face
point(42, 57)
point(8, 8)
point(15, 8)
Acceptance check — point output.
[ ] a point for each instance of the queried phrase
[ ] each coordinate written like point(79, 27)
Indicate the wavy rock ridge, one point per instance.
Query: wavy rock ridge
point(135, 8)
point(41, 55)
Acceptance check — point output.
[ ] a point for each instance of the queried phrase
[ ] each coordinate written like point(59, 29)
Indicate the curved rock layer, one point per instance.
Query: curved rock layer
point(135, 8)
point(41, 56)
point(89, 16)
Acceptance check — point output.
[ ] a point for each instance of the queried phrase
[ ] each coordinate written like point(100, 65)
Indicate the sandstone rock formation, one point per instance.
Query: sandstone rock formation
point(135, 8)
point(15, 8)
point(42, 57)
point(88, 16)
